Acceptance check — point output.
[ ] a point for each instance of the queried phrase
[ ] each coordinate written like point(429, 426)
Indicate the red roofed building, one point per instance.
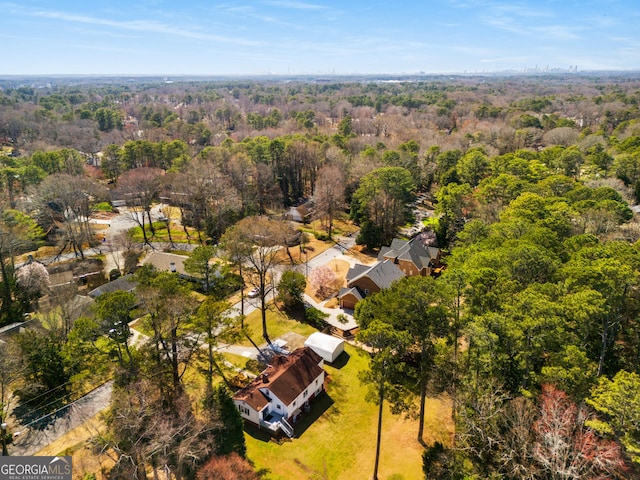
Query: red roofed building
point(284, 389)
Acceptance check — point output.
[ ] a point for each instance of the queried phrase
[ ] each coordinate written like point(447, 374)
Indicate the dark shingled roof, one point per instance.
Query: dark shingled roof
point(413, 250)
point(382, 274)
point(355, 291)
point(357, 270)
point(125, 284)
point(287, 377)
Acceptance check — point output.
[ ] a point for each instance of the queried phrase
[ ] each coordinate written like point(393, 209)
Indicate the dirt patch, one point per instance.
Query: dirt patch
point(332, 303)
point(341, 226)
point(103, 215)
point(294, 340)
point(340, 269)
point(301, 254)
point(78, 443)
point(362, 255)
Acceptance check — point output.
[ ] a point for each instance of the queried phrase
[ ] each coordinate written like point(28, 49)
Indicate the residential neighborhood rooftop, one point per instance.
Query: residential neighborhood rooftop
point(286, 376)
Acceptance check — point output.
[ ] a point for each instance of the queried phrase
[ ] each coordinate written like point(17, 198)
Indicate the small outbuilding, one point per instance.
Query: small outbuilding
point(328, 347)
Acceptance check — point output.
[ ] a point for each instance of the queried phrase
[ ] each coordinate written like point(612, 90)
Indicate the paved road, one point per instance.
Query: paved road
point(30, 440)
point(338, 250)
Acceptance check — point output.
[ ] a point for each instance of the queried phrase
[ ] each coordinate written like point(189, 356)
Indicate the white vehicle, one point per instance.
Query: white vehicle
point(254, 292)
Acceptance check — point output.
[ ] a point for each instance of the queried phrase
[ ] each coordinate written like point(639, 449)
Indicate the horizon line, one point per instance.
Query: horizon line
point(532, 70)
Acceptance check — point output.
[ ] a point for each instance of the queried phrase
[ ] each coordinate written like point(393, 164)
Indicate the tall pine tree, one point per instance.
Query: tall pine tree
point(229, 434)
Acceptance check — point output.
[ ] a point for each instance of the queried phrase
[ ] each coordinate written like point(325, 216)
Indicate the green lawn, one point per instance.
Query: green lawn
point(162, 235)
point(278, 323)
point(338, 439)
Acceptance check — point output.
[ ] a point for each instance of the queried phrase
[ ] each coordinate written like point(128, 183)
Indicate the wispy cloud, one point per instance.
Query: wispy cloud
point(148, 26)
point(246, 11)
point(521, 11)
point(295, 5)
point(548, 32)
point(503, 23)
point(558, 32)
point(517, 9)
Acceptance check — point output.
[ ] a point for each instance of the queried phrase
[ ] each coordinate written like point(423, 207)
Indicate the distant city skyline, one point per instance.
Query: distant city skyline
point(291, 37)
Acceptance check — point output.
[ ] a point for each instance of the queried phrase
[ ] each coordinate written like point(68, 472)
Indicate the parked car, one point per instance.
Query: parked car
point(254, 292)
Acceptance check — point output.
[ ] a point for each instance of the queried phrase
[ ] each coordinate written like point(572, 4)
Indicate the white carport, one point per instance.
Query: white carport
point(328, 347)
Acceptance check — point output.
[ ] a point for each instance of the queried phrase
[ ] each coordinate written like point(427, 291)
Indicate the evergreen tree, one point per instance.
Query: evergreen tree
point(229, 434)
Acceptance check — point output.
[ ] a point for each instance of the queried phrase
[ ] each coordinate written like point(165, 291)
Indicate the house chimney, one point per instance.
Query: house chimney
point(265, 378)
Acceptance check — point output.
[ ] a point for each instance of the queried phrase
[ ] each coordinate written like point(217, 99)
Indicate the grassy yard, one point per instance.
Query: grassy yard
point(338, 439)
point(238, 361)
point(162, 235)
point(278, 323)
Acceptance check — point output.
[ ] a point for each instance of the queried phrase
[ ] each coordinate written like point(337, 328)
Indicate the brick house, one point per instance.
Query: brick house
point(401, 259)
point(363, 280)
point(412, 257)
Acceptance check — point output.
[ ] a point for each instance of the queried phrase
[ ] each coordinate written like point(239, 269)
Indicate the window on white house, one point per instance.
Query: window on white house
point(304, 395)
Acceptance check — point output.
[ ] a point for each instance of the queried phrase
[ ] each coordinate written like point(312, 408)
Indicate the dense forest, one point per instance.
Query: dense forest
point(532, 328)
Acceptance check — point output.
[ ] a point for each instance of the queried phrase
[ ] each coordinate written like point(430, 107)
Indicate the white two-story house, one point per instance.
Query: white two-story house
point(283, 390)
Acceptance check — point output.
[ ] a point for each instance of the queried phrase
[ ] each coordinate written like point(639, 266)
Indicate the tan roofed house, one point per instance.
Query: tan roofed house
point(167, 262)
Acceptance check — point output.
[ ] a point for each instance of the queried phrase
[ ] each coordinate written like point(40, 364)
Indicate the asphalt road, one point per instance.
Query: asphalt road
point(31, 440)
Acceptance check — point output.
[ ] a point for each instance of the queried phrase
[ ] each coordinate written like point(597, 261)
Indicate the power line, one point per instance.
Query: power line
point(45, 393)
point(62, 408)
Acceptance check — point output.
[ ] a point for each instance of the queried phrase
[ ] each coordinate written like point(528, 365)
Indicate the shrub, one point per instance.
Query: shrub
point(103, 207)
point(315, 318)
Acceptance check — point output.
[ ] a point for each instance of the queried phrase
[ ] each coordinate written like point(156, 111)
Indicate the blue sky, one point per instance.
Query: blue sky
point(316, 37)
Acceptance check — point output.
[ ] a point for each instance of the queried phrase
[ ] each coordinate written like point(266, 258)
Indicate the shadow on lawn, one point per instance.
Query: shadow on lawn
point(341, 361)
point(259, 434)
point(321, 404)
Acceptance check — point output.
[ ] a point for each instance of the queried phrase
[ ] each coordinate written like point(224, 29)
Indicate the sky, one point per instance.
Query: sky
point(315, 37)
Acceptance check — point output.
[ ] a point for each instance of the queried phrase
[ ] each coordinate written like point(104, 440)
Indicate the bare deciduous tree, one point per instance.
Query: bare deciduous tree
point(65, 204)
point(144, 433)
point(208, 201)
point(256, 241)
point(329, 195)
point(139, 188)
point(566, 447)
